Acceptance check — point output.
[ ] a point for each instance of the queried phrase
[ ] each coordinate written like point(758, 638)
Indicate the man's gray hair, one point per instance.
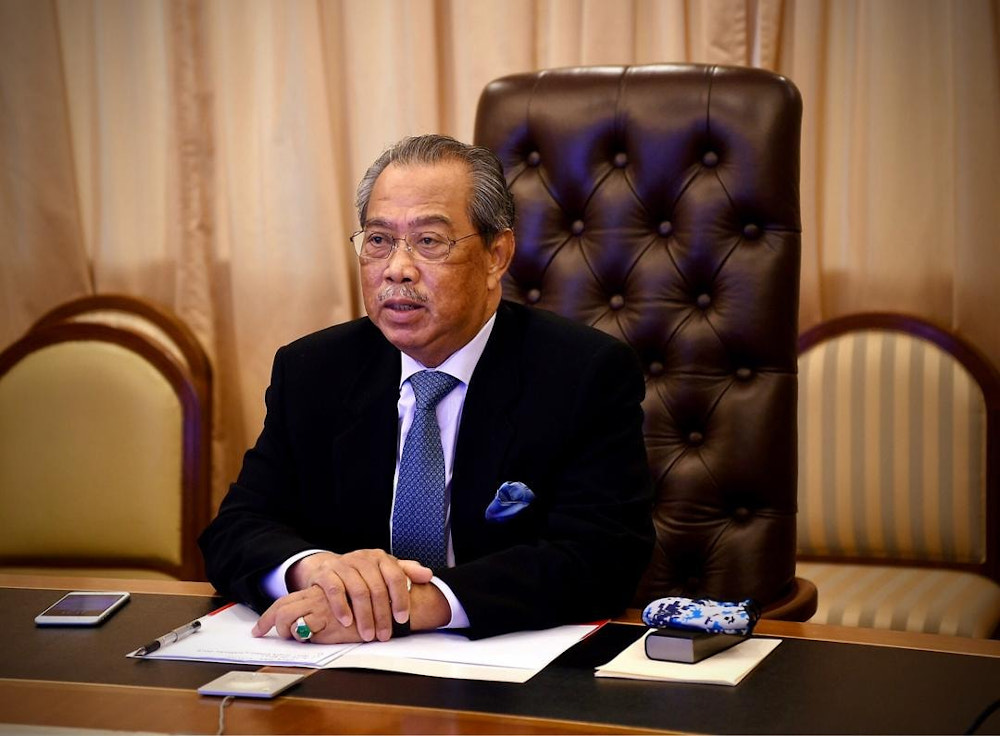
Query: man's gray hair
point(491, 206)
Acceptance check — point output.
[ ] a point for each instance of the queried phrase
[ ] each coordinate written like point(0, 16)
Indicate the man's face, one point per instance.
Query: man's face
point(430, 310)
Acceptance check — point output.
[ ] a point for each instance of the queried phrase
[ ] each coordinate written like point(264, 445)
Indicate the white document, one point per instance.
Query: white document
point(225, 637)
point(515, 657)
point(728, 667)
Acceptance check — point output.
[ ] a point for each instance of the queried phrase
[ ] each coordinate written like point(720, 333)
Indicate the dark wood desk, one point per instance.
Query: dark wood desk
point(821, 680)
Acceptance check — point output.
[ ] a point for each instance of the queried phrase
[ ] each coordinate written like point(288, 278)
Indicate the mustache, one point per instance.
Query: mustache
point(404, 291)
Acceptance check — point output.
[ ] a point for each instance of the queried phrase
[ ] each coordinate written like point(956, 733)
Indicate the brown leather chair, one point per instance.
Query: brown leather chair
point(661, 204)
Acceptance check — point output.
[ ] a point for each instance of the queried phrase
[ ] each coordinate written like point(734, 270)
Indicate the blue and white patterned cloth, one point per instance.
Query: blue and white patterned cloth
point(702, 614)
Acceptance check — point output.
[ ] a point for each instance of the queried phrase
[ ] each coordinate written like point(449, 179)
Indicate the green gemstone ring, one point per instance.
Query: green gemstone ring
point(302, 629)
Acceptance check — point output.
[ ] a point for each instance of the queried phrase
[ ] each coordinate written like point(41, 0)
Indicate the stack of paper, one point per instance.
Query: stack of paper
point(225, 636)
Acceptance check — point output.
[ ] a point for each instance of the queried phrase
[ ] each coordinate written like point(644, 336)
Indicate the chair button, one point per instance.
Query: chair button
point(534, 158)
point(621, 160)
point(744, 373)
point(751, 231)
point(533, 296)
point(617, 302)
point(577, 227)
point(655, 368)
point(742, 513)
point(665, 229)
point(710, 159)
point(704, 301)
point(695, 438)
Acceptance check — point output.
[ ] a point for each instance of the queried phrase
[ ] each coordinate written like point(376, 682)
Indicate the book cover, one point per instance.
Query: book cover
point(688, 646)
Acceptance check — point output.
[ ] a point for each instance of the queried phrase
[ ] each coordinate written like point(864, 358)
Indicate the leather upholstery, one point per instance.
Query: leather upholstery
point(661, 204)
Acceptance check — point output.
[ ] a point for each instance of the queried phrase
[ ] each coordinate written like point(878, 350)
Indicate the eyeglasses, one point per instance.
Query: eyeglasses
point(422, 246)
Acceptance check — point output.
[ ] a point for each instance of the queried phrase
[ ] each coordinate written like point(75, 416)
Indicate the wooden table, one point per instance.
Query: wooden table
point(172, 705)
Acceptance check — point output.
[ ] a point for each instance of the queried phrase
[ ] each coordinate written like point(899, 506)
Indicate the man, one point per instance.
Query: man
point(542, 510)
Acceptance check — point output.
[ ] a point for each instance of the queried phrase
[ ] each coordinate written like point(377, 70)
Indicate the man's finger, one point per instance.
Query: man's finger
point(416, 572)
point(310, 602)
point(398, 583)
point(333, 587)
point(379, 595)
point(265, 623)
point(361, 604)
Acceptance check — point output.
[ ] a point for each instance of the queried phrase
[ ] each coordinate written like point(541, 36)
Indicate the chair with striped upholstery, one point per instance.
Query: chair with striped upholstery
point(899, 476)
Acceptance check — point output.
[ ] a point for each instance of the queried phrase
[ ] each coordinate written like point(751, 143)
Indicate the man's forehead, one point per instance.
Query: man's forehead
point(434, 218)
point(450, 173)
point(432, 193)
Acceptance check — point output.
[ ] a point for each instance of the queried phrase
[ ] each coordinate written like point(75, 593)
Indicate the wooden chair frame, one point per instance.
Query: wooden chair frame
point(88, 308)
point(192, 389)
point(988, 379)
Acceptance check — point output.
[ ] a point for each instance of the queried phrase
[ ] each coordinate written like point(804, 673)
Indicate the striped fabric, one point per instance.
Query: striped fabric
point(892, 458)
point(904, 599)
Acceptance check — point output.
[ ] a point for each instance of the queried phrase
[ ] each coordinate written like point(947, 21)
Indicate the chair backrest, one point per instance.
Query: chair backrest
point(899, 456)
point(149, 320)
point(104, 454)
point(661, 204)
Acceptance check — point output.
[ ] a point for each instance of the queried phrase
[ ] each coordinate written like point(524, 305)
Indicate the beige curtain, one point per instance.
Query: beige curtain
point(203, 155)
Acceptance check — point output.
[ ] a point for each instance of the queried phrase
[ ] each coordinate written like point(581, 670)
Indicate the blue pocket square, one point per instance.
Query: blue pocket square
point(512, 498)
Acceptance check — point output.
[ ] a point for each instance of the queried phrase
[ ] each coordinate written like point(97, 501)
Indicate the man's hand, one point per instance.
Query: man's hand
point(312, 606)
point(429, 610)
point(364, 592)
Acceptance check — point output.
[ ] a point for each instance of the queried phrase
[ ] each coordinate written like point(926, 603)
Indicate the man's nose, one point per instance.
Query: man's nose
point(400, 266)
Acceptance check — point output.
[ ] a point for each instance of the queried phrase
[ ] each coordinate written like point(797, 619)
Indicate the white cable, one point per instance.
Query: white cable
point(222, 713)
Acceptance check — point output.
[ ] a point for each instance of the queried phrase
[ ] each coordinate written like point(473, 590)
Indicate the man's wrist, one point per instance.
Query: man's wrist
point(458, 619)
point(300, 572)
point(429, 608)
point(275, 584)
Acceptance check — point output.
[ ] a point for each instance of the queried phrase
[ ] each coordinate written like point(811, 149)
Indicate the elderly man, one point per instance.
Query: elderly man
point(452, 460)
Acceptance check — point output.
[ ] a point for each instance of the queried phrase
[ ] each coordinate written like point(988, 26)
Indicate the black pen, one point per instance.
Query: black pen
point(176, 635)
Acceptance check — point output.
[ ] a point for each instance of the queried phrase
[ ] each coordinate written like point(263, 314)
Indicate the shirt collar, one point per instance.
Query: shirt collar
point(460, 364)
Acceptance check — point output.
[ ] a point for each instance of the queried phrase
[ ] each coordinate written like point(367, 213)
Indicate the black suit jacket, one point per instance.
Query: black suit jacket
point(552, 404)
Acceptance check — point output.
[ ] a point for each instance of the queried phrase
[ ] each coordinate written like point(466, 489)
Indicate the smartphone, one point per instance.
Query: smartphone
point(82, 608)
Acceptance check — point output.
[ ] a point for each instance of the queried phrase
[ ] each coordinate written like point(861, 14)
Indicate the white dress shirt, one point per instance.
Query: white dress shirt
point(461, 364)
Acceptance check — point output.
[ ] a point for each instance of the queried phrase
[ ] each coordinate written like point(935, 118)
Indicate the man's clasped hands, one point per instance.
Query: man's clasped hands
point(355, 597)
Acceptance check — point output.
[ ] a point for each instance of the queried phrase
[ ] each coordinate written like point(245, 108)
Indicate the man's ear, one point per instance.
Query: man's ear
point(500, 255)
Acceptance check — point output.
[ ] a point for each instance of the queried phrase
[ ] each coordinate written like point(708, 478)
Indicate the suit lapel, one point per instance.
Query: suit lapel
point(365, 446)
point(486, 431)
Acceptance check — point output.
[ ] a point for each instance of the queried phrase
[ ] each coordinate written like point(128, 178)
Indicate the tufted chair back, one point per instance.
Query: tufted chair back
point(661, 205)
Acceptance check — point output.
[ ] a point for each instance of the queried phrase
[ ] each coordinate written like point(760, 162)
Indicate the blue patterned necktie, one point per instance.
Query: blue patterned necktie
point(418, 514)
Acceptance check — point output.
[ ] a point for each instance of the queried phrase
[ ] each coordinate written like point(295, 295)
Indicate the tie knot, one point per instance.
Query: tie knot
point(429, 387)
